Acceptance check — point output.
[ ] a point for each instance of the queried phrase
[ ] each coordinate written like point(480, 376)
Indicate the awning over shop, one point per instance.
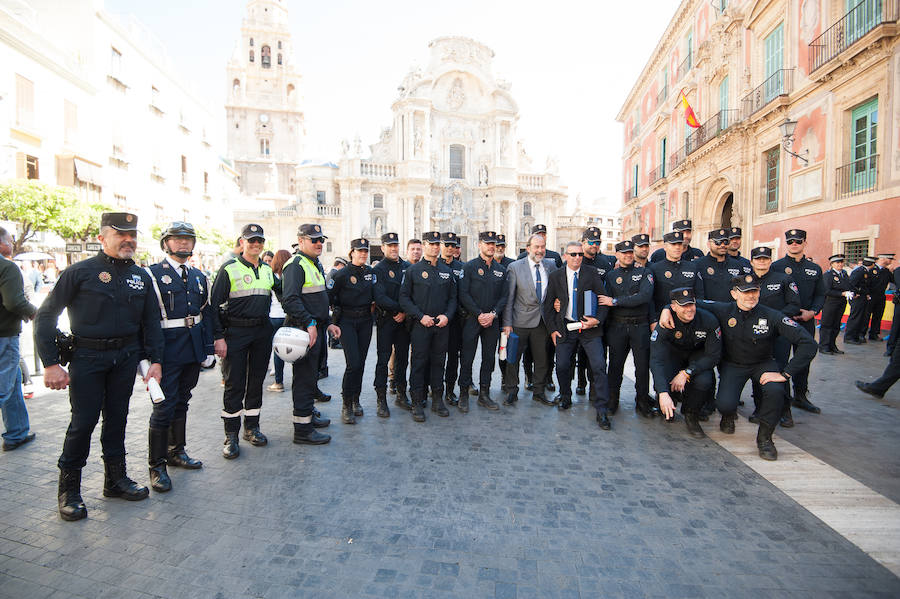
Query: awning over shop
point(87, 172)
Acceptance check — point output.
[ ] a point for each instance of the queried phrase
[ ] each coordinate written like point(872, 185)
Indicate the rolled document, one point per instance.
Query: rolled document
point(156, 392)
point(575, 326)
point(503, 340)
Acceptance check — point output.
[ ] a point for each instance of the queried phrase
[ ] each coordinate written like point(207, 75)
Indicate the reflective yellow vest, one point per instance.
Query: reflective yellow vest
point(313, 280)
point(244, 281)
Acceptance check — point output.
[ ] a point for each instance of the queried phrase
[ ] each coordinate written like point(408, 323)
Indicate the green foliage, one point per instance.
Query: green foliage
point(35, 206)
point(205, 235)
point(81, 222)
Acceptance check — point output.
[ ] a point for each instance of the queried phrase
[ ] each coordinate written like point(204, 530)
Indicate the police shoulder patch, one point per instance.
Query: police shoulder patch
point(330, 283)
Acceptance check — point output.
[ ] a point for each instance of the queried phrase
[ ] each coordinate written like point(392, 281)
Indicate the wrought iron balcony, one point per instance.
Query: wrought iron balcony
point(858, 177)
point(629, 195)
point(780, 83)
point(711, 129)
point(662, 95)
point(685, 65)
point(859, 20)
point(657, 174)
point(676, 159)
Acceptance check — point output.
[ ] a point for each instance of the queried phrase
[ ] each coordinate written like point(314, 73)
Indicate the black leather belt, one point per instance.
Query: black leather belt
point(630, 319)
point(356, 312)
point(246, 322)
point(103, 344)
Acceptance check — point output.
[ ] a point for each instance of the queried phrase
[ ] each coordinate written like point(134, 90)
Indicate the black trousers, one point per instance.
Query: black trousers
point(453, 351)
point(830, 323)
point(895, 328)
point(857, 321)
point(489, 337)
point(800, 380)
point(698, 388)
point(533, 340)
point(356, 335)
point(621, 338)
point(391, 335)
point(306, 374)
point(890, 375)
point(178, 380)
point(244, 365)
point(529, 363)
point(876, 311)
point(732, 379)
point(429, 351)
point(100, 382)
point(566, 347)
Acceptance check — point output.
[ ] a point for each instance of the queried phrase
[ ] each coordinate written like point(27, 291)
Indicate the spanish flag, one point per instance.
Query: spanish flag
point(689, 115)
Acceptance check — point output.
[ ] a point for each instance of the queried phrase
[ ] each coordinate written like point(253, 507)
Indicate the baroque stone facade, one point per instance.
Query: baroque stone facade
point(831, 69)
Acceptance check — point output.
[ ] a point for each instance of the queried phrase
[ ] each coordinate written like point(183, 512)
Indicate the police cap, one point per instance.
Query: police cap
point(625, 246)
point(431, 237)
point(888, 256)
point(836, 258)
point(450, 238)
point(869, 260)
point(718, 235)
point(487, 237)
point(745, 282)
point(310, 230)
point(252, 230)
point(641, 239)
point(390, 239)
point(674, 237)
point(683, 225)
point(120, 221)
point(735, 232)
point(359, 244)
point(683, 296)
point(761, 252)
point(795, 235)
point(539, 229)
point(501, 239)
point(591, 234)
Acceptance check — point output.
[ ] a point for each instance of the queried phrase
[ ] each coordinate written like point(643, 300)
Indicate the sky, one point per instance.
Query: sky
point(571, 64)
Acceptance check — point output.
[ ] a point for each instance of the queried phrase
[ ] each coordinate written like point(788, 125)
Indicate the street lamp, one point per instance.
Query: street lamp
point(787, 139)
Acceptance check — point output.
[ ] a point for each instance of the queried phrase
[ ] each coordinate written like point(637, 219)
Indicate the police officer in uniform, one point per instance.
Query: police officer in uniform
point(857, 321)
point(750, 331)
point(682, 359)
point(895, 322)
point(734, 246)
point(482, 293)
point(243, 340)
point(641, 243)
point(591, 239)
point(630, 292)
point(881, 278)
point(686, 228)
point(352, 293)
point(428, 296)
point(837, 291)
point(115, 324)
point(392, 333)
point(672, 272)
point(717, 268)
point(305, 302)
point(182, 293)
point(450, 243)
point(811, 287)
point(504, 261)
point(550, 254)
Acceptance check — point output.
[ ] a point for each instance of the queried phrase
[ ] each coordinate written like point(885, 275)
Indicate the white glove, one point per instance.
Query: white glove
point(208, 362)
point(848, 295)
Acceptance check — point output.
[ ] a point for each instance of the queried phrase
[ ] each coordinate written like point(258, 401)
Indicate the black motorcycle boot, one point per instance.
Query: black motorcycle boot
point(726, 424)
point(485, 401)
point(357, 409)
point(347, 415)
point(801, 400)
point(381, 401)
point(231, 448)
point(402, 400)
point(319, 421)
point(306, 434)
point(764, 442)
point(418, 406)
point(159, 477)
point(437, 405)
point(176, 455)
point(787, 419)
point(117, 484)
point(71, 506)
point(255, 436)
point(692, 421)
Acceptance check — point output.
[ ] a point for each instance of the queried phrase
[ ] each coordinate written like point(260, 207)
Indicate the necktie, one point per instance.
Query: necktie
point(537, 272)
point(574, 300)
point(184, 274)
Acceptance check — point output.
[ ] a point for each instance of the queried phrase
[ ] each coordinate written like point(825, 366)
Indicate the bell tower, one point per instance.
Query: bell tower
point(264, 121)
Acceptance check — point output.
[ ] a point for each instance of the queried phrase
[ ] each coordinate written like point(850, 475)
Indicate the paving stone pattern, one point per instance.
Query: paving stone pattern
point(527, 502)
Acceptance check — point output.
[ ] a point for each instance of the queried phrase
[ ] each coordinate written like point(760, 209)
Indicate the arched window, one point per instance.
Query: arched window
point(251, 42)
point(251, 56)
point(457, 162)
point(526, 209)
point(265, 57)
point(236, 86)
point(264, 147)
point(279, 58)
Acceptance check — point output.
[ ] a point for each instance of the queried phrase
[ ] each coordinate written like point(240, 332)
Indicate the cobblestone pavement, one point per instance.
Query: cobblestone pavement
point(527, 502)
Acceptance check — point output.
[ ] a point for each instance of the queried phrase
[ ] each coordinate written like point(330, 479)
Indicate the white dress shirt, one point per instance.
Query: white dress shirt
point(543, 270)
point(570, 280)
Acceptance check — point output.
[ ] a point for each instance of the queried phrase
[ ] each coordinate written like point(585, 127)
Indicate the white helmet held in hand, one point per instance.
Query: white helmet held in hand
point(290, 344)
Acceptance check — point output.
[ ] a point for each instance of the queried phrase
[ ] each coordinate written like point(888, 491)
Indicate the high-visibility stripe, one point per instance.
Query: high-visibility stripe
point(230, 415)
point(313, 289)
point(254, 412)
point(246, 292)
point(302, 419)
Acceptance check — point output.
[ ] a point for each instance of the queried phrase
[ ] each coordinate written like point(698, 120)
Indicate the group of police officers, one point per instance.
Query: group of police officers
point(679, 313)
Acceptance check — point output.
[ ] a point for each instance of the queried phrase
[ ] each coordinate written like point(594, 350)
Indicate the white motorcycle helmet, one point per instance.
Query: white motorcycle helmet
point(290, 344)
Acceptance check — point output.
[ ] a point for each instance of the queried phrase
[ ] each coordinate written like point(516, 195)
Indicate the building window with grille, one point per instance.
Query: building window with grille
point(320, 198)
point(855, 251)
point(772, 169)
point(378, 201)
point(526, 209)
point(457, 162)
point(265, 57)
point(31, 167)
point(264, 147)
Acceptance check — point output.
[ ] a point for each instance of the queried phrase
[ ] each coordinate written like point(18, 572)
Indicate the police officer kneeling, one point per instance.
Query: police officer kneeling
point(750, 332)
point(115, 323)
point(682, 358)
point(182, 293)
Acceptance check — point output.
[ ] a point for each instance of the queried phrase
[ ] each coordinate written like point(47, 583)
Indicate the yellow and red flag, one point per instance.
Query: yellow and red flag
point(689, 115)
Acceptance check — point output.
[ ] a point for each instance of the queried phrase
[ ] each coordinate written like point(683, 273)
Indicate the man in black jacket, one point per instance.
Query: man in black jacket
point(837, 293)
point(881, 278)
point(860, 283)
point(578, 323)
point(392, 332)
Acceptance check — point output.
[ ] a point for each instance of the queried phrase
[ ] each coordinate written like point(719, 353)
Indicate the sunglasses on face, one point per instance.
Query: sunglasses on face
point(720, 242)
point(256, 240)
point(593, 242)
point(318, 240)
point(576, 254)
point(795, 242)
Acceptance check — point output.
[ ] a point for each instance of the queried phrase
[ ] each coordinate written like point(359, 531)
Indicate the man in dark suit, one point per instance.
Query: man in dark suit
point(837, 292)
point(182, 292)
point(578, 325)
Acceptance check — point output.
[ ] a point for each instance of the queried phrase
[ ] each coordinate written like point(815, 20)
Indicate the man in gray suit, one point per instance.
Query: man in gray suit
point(527, 286)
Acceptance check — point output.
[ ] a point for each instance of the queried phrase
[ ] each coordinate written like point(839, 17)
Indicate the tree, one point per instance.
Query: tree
point(35, 206)
point(205, 235)
point(80, 223)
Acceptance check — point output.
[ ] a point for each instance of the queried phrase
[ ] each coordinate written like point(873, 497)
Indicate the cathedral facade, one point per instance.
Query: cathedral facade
point(451, 160)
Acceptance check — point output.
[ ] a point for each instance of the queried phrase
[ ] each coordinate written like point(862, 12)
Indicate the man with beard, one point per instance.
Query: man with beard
point(641, 243)
point(686, 228)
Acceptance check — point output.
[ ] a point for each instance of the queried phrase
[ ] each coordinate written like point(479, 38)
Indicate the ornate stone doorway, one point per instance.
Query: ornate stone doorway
point(727, 211)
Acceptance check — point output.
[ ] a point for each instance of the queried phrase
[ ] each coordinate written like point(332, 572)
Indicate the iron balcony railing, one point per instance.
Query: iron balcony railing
point(859, 20)
point(676, 159)
point(629, 195)
point(685, 65)
point(656, 174)
point(779, 83)
point(858, 177)
point(711, 129)
point(662, 95)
